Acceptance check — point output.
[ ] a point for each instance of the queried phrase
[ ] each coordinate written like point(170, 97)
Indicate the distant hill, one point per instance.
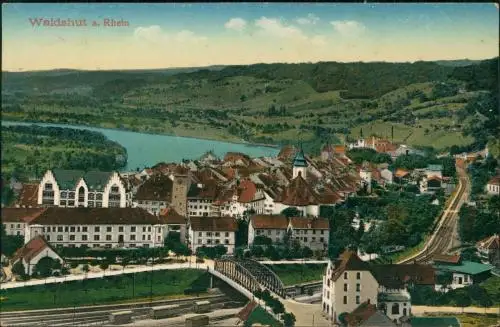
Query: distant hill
point(457, 63)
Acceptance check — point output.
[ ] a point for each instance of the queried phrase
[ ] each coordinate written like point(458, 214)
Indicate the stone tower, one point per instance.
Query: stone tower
point(180, 187)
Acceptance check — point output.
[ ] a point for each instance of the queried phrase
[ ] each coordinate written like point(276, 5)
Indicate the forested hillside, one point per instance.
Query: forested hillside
point(438, 104)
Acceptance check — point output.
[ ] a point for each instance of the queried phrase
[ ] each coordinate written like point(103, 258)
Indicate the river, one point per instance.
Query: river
point(146, 150)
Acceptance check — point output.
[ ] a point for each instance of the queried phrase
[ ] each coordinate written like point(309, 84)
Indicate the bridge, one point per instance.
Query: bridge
point(250, 274)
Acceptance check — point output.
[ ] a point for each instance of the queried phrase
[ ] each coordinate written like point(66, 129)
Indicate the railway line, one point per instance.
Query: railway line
point(443, 236)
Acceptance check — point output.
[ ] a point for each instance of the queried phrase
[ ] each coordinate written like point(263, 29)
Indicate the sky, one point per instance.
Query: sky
point(193, 35)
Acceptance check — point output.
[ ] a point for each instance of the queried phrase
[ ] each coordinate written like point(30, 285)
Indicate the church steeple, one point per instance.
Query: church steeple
point(300, 164)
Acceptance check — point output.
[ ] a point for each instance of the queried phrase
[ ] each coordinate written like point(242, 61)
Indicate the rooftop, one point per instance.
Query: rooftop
point(269, 222)
point(213, 224)
point(466, 267)
point(21, 215)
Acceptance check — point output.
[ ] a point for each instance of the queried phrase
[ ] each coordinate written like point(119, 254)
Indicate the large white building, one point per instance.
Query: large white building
point(15, 220)
point(98, 227)
point(76, 188)
point(32, 252)
point(350, 282)
point(271, 226)
point(212, 231)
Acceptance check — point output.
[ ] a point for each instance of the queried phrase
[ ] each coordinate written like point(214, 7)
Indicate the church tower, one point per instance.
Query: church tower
point(300, 164)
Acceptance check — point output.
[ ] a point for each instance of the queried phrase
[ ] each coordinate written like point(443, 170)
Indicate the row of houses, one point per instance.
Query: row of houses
point(232, 187)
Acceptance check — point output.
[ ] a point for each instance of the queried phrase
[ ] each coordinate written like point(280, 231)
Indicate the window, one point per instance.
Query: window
point(209, 233)
point(59, 229)
point(97, 229)
point(149, 237)
point(91, 204)
point(199, 241)
point(72, 237)
point(48, 237)
point(108, 237)
point(149, 229)
point(84, 229)
point(72, 229)
point(345, 275)
point(144, 229)
point(209, 241)
point(143, 237)
point(226, 241)
point(199, 234)
point(96, 237)
point(59, 238)
point(66, 229)
point(109, 229)
point(99, 196)
point(217, 234)
point(132, 229)
point(91, 196)
point(71, 203)
point(227, 234)
point(98, 204)
point(358, 275)
point(120, 229)
point(114, 189)
point(357, 299)
point(132, 237)
point(345, 287)
point(345, 299)
point(64, 194)
point(358, 287)
point(18, 225)
point(48, 186)
point(217, 241)
point(395, 309)
point(84, 237)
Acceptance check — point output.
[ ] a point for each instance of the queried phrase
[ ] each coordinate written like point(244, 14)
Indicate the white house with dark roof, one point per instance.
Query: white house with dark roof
point(488, 250)
point(212, 231)
point(271, 226)
point(310, 232)
point(76, 188)
point(155, 194)
point(493, 186)
point(15, 220)
point(98, 227)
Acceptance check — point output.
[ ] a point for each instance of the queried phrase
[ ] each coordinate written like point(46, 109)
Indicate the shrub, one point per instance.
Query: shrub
point(289, 319)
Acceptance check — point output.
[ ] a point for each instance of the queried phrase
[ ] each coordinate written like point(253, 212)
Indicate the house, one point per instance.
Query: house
point(401, 176)
point(310, 232)
point(272, 226)
point(155, 194)
point(76, 188)
point(349, 282)
point(32, 252)
point(201, 197)
point(246, 195)
point(212, 231)
point(367, 315)
point(488, 250)
point(493, 186)
point(175, 222)
point(431, 184)
point(15, 220)
point(98, 227)
point(464, 273)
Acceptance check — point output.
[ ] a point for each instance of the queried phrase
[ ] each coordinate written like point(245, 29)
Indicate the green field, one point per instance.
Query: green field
point(293, 274)
point(264, 103)
point(113, 289)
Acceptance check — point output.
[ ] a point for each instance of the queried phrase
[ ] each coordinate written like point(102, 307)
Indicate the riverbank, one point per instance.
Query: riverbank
point(233, 140)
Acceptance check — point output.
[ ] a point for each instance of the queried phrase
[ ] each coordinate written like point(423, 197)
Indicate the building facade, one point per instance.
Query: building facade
point(271, 226)
point(75, 188)
point(212, 231)
point(310, 232)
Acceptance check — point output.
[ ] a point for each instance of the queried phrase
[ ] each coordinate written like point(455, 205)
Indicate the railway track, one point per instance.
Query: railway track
point(443, 236)
point(93, 314)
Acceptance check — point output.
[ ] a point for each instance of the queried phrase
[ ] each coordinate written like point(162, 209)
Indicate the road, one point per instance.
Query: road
point(445, 236)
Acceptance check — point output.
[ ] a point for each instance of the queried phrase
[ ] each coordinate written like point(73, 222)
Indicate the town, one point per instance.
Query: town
point(248, 213)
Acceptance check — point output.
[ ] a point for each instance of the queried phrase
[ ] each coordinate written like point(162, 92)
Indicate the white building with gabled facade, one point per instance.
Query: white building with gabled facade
point(76, 188)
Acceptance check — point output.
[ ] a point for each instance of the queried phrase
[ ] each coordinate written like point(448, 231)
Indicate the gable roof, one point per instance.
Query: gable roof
point(348, 261)
point(309, 223)
point(157, 187)
point(447, 258)
point(396, 276)
point(213, 224)
point(490, 243)
point(494, 181)
point(97, 216)
point(32, 248)
point(466, 267)
point(246, 191)
point(367, 315)
point(401, 173)
point(269, 222)
point(20, 215)
point(172, 217)
point(95, 180)
point(299, 193)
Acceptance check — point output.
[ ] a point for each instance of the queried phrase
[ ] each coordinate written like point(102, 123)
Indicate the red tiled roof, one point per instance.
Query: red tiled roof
point(31, 249)
point(401, 172)
point(172, 217)
point(28, 196)
point(361, 314)
point(235, 156)
point(348, 261)
point(269, 222)
point(434, 178)
point(213, 224)
point(309, 223)
point(299, 193)
point(447, 258)
point(494, 181)
point(287, 152)
point(246, 191)
point(24, 215)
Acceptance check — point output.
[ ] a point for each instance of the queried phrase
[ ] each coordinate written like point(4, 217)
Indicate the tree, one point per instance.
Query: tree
point(306, 252)
point(18, 268)
point(485, 301)
point(86, 267)
point(289, 319)
point(291, 212)
point(462, 299)
point(10, 243)
point(262, 240)
point(241, 235)
point(104, 265)
point(44, 267)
